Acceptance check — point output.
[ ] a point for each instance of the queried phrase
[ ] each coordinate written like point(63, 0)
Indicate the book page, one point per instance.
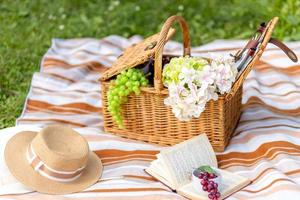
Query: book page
point(230, 183)
point(183, 158)
point(158, 168)
point(160, 177)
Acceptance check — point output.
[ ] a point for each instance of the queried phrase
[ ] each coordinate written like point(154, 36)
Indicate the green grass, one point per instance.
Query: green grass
point(26, 29)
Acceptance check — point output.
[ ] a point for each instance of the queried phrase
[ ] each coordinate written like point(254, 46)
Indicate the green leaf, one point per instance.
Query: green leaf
point(207, 168)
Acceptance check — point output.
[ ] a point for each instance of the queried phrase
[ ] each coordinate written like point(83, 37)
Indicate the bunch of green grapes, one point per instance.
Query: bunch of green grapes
point(126, 83)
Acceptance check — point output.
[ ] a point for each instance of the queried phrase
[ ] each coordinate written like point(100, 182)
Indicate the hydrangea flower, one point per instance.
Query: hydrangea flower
point(225, 72)
point(192, 82)
point(173, 69)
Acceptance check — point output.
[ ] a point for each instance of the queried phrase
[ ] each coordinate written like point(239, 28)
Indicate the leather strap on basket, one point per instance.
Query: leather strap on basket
point(285, 49)
point(266, 39)
point(158, 85)
point(279, 44)
point(252, 44)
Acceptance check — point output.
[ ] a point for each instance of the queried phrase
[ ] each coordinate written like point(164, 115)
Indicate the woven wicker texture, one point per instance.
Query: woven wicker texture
point(135, 55)
point(147, 119)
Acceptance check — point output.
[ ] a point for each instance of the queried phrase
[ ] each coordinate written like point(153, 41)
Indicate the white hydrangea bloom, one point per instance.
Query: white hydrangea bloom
point(225, 74)
point(207, 75)
point(187, 75)
point(192, 82)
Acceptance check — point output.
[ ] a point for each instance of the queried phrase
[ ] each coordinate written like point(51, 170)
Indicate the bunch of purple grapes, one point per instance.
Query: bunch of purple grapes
point(208, 185)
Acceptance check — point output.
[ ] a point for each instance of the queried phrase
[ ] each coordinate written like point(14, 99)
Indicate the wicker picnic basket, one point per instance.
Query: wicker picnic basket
point(147, 119)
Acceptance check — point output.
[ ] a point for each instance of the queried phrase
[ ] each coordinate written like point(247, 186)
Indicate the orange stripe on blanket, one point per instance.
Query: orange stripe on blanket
point(241, 122)
point(291, 71)
point(261, 174)
point(254, 101)
point(274, 94)
point(277, 55)
point(129, 158)
point(113, 156)
point(276, 98)
point(81, 106)
point(270, 185)
point(264, 130)
point(267, 170)
point(91, 66)
point(265, 151)
point(276, 84)
point(65, 78)
point(116, 153)
point(242, 164)
point(145, 178)
point(293, 172)
point(253, 154)
point(81, 91)
point(55, 110)
point(68, 95)
point(62, 77)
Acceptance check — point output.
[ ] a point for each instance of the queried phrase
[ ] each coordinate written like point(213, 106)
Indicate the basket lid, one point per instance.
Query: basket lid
point(135, 55)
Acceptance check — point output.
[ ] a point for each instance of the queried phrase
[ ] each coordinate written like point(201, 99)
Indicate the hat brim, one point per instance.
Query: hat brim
point(16, 160)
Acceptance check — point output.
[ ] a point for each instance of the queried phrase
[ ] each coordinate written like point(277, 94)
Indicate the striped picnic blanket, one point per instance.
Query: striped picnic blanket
point(265, 148)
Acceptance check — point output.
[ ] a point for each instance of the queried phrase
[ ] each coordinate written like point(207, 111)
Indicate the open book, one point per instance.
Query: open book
point(174, 167)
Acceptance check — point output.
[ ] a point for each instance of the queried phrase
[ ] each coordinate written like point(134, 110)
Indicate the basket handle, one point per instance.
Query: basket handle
point(158, 85)
point(269, 29)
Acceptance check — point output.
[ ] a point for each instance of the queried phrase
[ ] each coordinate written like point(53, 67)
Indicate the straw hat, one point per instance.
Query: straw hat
point(56, 160)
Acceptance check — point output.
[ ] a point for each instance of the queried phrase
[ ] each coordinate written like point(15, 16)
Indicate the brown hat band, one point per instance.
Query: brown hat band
point(48, 172)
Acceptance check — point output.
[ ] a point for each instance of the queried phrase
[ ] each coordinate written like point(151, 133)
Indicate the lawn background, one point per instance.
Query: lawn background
point(26, 29)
